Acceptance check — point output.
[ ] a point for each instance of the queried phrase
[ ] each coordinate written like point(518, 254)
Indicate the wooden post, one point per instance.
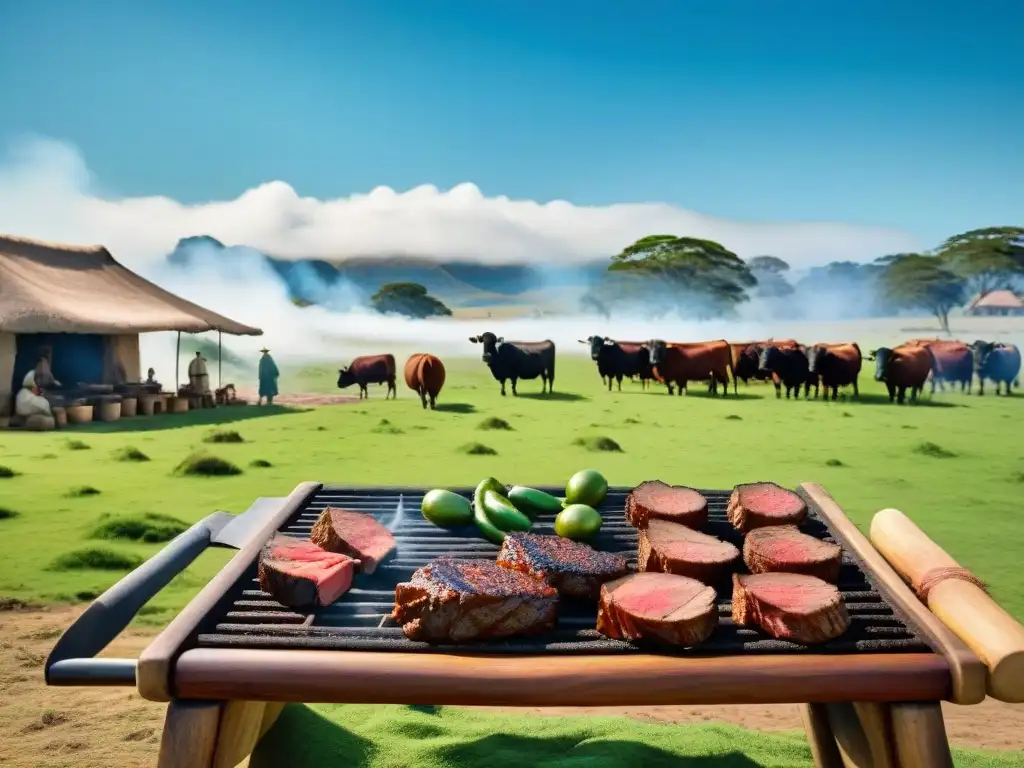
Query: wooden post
point(919, 735)
point(220, 357)
point(190, 735)
point(177, 363)
point(824, 751)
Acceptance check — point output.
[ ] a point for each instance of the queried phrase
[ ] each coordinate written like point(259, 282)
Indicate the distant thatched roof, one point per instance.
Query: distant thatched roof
point(997, 300)
point(47, 288)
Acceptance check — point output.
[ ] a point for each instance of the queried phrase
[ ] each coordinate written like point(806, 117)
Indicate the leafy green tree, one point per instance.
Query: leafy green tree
point(699, 275)
point(770, 273)
point(409, 299)
point(916, 281)
point(988, 259)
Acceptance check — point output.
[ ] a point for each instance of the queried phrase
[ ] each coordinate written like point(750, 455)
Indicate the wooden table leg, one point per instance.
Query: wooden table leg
point(214, 734)
point(824, 751)
point(919, 734)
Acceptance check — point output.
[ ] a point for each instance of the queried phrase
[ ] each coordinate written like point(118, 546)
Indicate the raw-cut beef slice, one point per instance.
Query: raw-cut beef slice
point(676, 503)
point(671, 548)
point(574, 569)
point(451, 600)
point(789, 606)
point(784, 549)
point(658, 607)
point(301, 575)
point(756, 505)
point(356, 534)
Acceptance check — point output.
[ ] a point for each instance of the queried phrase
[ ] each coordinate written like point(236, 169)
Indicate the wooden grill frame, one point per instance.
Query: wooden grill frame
point(875, 709)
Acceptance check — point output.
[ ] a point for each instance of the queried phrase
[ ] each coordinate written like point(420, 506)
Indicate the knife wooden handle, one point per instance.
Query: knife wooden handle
point(956, 599)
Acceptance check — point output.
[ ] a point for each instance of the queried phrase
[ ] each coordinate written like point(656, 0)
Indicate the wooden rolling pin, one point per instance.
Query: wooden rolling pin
point(957, 599)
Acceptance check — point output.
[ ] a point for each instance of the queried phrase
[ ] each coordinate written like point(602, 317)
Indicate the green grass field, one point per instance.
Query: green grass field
point(954, 463)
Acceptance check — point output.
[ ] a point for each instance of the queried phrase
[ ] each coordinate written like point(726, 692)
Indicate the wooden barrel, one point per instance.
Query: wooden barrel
point(60, 417)
point(145, 405)
point(109, 411)
point(177, 405)
point(129, 407)
point(79, 414)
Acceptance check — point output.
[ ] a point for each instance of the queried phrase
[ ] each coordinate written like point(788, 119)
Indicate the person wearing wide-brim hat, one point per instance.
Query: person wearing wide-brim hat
point(268, 374)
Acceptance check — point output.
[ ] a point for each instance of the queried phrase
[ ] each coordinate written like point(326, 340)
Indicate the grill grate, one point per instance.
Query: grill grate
point(360, 620)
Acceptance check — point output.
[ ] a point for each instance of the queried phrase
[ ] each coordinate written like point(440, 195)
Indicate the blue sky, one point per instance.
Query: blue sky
point(905, 114)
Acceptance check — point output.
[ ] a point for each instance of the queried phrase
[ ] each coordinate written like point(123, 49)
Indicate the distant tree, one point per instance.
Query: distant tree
point(409, 299)
point(916, 281)
point(698, 275)
point(301, 303)
point(988, 259)
point(770, 271)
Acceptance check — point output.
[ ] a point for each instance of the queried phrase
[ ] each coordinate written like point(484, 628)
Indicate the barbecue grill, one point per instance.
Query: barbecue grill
point(231, 659)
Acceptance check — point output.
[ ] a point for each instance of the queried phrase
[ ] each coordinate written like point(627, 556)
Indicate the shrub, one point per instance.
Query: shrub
point(205, 465)
point(477, 449)
point(223, 436)
point(605, 444)
point(150, 528)
point(77, 445)
point(494, 422)
point(933, 450)
point(130, 453)
point(834, 463)
point(82, 491)
point(6, 472)
point(260, 463)
point(7, 514)
point(95, 559)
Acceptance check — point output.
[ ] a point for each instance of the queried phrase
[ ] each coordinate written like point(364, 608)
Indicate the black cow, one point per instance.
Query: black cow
point(790, 368)
point(997, 362)
point(514, 360)
point(617, 360)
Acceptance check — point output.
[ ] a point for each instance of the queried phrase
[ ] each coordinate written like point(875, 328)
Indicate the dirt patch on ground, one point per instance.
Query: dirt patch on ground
point(44, 727)
point(300, 400)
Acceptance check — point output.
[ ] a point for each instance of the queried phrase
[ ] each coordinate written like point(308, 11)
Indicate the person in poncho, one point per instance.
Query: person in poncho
point(268, 374)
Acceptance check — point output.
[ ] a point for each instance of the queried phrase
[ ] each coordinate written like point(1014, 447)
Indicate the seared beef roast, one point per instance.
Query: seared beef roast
point(789, 606)
point(452, 600)
point(672, 548)
point(301, 575)
point(657, 607)
point(655, 499)
point(575, 570)
point(783, 549)
point(355, 534)
point(756, 505)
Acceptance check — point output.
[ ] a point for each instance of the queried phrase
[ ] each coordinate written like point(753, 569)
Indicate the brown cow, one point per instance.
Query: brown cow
point(905, 367)
point(424, 374)
point(952, 362)
point(836, 365)
point(679, 363)
point(370, 369)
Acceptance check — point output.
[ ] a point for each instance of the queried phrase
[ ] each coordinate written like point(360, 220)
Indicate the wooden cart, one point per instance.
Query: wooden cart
point(228, 663)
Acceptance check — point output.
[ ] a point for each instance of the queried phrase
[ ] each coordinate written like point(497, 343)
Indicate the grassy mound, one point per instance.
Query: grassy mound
point(82, 491)
point(733, 417)
point(598, 444)
point(224, 436)
point(493, 422)
point(205, 465)
point(77, 445)
point(477, 449)
point(130, 453)
point(260, 464)
point(95, 559)
point(150, 528)
point(834, 463)
point(385, 427)
point(933, 450)
point(7, 472)
point(7, 514)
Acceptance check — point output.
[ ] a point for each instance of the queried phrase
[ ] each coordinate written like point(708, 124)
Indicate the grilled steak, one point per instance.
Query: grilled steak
point(676, 503)
point(575, 570)
point(756, 505)
point(300, 575)
point(782, 548)
point(658, 607)
point(457, 601)
point(789, 606)
point(672, 548)
point(355, 534)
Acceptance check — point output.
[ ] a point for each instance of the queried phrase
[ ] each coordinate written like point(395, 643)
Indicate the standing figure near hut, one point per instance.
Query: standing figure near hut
point(198, 378)
point(268, 378)
point(151, 382)
point(44, 371)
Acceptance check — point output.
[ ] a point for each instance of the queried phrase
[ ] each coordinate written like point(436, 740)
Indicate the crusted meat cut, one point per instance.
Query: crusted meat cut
point(672, 548)
point(784, 549)
point(655, 499)
point(574, 569)
point(457, 601)
point(355, 534)
point(789, 606)
point(756, 505)
point(299, 574)
point(658, 607)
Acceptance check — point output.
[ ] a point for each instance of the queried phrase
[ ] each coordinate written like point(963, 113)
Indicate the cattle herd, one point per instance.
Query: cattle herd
point(788, 364)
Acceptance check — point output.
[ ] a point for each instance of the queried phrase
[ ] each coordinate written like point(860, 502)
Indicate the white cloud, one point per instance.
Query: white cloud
point(46, 193)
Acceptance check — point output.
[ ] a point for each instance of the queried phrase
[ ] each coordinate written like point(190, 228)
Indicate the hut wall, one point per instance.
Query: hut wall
point(8, 352)
point(122, 350)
